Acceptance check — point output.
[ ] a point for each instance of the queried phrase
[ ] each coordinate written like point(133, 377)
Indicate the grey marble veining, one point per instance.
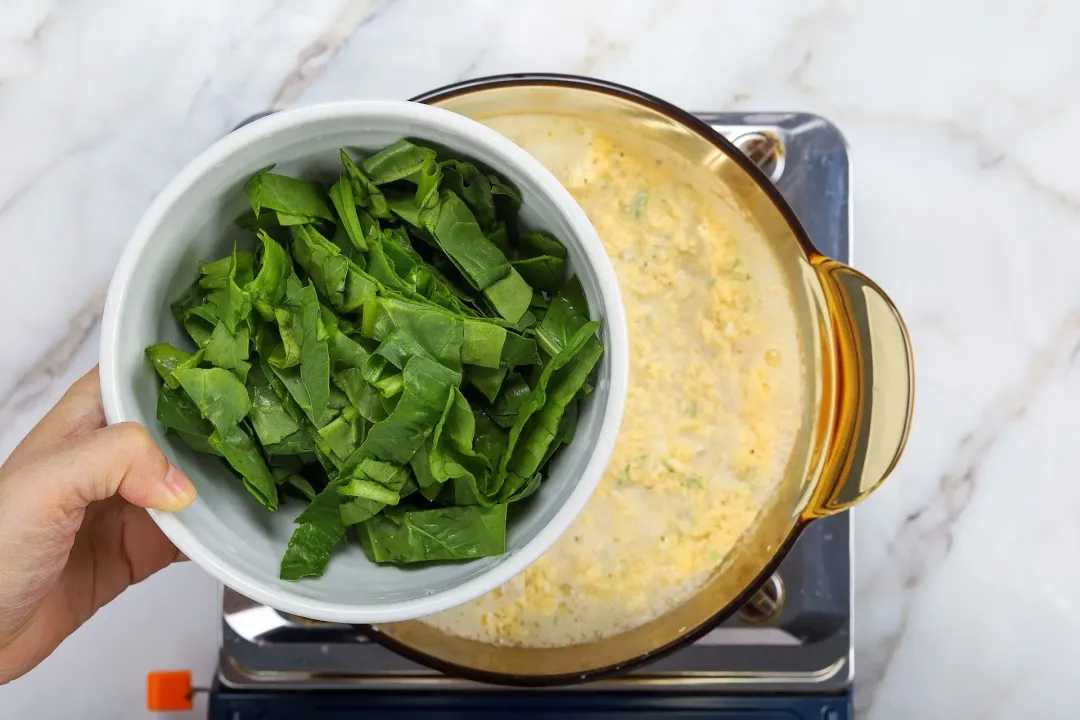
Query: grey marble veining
point(960, 115)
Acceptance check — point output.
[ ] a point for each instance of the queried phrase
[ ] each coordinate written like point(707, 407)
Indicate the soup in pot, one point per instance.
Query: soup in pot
point(714, 402)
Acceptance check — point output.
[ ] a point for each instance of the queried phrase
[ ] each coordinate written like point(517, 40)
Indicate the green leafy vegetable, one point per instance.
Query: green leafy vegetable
point(510, 296)
point(480, 261)
point(319, 532)
point(487, 380)
point(396, 439)
point(220, 397)
point(479, 192)
point(198, 443)
point(241, 452)
point(508, 404)
point(341, 194)
point(568, 312)
point(227, 302)
point(543, 426)
point(216, 274)
point(285, 194)
point(271, 420)
point(366, 194)
point(343, 432)
point(544, 273)
point(542, 261)
point(395, 339)
point(454, 533)
point(337, 278)
point(299, 482)
point(314, 356)
point(400, 161)
point(167, 359)
point(228, 350)
point(177, 411)
point(537, 398)
point(267, 289)
point(408, 329)
point(540, 244)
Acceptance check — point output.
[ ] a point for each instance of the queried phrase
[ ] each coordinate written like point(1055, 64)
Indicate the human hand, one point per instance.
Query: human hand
point(73, 531)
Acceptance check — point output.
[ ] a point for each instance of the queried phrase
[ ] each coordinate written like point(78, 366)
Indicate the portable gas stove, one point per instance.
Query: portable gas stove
point(787, 654)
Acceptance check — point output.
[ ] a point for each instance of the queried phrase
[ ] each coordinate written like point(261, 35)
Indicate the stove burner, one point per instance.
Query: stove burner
point(765, 149)
point(766, 603)
point(794, 636)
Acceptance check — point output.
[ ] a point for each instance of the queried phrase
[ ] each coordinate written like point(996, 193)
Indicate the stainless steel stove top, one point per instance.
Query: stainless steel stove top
point(794, 636)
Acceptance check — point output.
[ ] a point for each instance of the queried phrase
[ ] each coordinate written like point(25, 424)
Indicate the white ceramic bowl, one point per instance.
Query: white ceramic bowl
point(224, 530)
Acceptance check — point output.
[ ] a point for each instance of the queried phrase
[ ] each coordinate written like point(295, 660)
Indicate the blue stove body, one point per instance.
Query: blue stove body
point(273, 668)
point(334, 705)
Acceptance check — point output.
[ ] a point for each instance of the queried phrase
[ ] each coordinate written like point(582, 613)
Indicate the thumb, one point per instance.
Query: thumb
point(118, 459)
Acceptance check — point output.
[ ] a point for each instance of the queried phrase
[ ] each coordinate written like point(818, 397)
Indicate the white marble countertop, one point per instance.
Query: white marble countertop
point(959, 117)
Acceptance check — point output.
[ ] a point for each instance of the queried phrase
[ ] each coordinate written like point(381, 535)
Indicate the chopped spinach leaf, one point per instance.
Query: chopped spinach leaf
point(397, 340)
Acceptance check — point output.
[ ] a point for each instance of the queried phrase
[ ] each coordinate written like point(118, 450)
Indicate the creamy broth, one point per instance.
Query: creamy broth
point(714, 402)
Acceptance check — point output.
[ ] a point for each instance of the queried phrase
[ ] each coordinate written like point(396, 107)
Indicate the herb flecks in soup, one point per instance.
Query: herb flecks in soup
point(713, 407)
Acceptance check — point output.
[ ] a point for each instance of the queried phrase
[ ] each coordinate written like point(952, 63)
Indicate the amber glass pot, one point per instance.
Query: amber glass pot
point(858, 386)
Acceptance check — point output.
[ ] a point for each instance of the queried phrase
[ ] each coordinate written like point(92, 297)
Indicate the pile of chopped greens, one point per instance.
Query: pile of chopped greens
point(396, 352)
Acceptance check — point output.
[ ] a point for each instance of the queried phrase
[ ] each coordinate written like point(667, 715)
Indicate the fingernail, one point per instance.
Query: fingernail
point(181, 492)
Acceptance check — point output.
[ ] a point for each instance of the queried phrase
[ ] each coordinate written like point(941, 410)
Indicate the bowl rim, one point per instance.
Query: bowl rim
point(236, 577)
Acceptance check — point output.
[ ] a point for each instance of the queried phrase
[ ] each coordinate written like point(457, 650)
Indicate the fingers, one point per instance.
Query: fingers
point(119, 459)
point(77, 412)
point(43, 502)
point(84, 461)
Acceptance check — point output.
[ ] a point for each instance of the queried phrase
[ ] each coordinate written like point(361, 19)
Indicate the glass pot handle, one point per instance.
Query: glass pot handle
point(874, 389)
